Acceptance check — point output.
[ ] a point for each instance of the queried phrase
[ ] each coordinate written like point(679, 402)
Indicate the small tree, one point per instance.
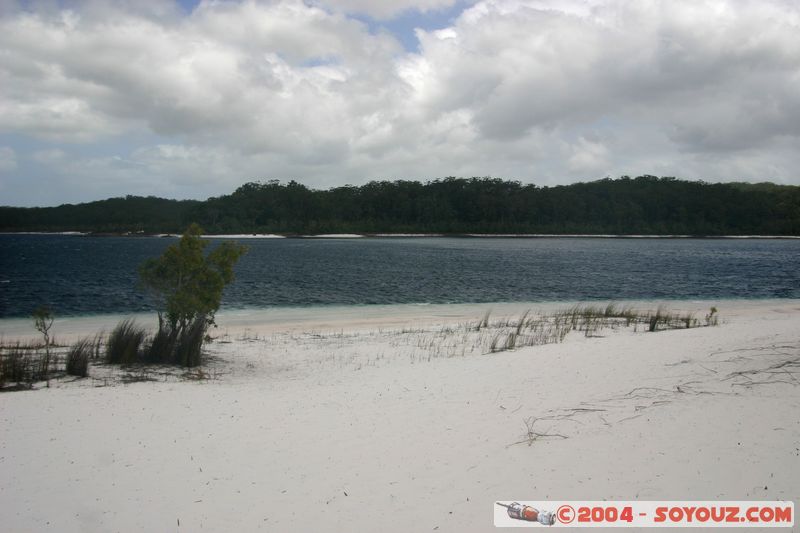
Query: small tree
point(187, 285)
point(43, 321)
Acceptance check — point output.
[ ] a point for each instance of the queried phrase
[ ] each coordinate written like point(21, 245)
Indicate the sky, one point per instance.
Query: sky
point(191, 99)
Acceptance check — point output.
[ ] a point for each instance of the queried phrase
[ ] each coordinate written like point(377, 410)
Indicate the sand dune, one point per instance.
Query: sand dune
point(402, 422)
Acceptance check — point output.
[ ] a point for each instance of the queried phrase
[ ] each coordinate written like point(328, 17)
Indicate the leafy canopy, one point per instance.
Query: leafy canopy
point(187, 283)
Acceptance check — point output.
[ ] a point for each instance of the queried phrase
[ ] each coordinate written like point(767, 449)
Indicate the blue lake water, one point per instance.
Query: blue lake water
point(81, 275)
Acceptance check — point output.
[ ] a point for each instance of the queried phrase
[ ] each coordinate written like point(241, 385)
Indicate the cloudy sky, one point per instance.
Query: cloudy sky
point(188, 99)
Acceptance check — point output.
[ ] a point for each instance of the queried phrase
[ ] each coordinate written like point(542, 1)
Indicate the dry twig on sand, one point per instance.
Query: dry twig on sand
point(532, 435)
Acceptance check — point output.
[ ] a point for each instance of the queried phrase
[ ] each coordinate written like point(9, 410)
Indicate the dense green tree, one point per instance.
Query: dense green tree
point(642, 205)
point(185, 282)
point(187, 285)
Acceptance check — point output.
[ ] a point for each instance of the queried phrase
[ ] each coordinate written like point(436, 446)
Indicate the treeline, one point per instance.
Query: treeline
point(115, 215)
point(642, 205)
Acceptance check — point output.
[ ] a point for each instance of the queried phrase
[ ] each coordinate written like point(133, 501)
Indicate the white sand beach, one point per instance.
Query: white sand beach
point(399, 419)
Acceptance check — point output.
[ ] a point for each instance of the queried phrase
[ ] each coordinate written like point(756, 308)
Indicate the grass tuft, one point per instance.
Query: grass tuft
point(17, 364)
point(124, 343)
point(183, 347)
point(77, 361)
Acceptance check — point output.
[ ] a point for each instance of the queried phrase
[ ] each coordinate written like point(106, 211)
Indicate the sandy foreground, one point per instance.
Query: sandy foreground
point(396, 419)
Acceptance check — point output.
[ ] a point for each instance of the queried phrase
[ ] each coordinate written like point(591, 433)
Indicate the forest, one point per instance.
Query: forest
point(623, 206)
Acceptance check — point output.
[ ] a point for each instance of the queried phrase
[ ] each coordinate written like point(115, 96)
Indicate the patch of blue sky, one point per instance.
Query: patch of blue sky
point(402, 25)
point(188, 5)
point(320, 61)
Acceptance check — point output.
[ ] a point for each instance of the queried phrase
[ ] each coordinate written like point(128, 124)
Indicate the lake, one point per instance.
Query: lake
point(84, 275)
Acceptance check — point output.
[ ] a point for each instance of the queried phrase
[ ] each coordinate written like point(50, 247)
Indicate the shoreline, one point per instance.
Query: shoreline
point(406, 235)
point(365, 316)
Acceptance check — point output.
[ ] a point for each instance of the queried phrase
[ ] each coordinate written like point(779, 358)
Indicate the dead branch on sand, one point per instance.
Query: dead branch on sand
point(532, 435)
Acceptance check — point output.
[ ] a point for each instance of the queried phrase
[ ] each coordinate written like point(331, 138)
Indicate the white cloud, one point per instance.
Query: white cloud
point(549, 91)
point(49, 156)
point(589, 157)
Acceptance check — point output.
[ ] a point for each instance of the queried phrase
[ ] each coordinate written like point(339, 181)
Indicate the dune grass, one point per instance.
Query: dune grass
point(124, 344)
point(19, 364)
point(129, 344)
point(529, 329)
point(78, 357)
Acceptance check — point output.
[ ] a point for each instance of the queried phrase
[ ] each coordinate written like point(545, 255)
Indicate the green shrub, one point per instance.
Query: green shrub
point(187, 285)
